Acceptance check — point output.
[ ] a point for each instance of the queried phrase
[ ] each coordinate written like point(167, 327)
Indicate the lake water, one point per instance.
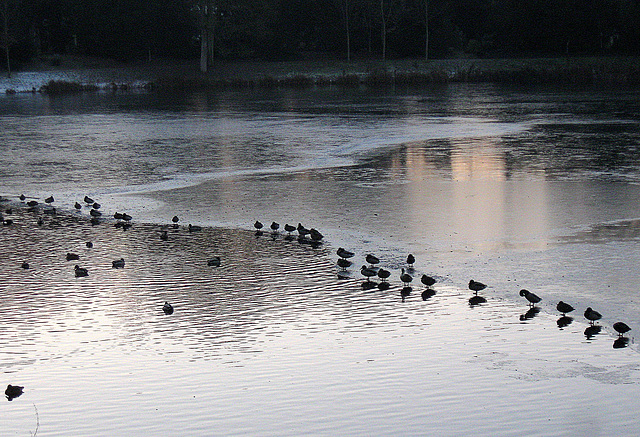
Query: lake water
point(518, 188)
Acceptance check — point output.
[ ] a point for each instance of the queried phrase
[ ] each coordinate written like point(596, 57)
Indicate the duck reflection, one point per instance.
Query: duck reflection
point(620, 342)
point(405, 292)
point(564, 321)
point(369, 285)
point(592, 331)
point(384, 286)
point(13, 391)
point(428, 293)
point(530, 314)
point(476, 300)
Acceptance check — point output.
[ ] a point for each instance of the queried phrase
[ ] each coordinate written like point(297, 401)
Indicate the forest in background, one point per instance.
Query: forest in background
point(314, 29)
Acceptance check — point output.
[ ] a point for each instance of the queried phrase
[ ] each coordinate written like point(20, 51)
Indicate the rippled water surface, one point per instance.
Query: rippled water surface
point(517, 188)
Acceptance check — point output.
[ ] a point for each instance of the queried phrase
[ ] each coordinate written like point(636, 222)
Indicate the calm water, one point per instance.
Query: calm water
point(517, 188)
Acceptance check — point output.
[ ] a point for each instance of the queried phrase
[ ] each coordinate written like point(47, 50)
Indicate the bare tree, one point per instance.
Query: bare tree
point(426, 30)
point(6, 40)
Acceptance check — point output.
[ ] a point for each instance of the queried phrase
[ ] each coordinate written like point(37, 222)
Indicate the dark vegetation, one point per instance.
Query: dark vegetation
point(129, 30)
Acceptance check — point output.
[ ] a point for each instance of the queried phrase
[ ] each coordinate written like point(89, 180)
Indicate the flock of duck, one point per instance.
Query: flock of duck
point(372, 270)
point(314, 237)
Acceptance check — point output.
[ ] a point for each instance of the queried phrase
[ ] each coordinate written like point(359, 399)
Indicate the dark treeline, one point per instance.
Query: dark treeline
point(295, 29)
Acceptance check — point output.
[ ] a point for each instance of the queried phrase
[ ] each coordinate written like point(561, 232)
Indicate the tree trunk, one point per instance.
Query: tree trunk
point(383, 31)
point(6, 37)
point(346, 21)
point(426, 30)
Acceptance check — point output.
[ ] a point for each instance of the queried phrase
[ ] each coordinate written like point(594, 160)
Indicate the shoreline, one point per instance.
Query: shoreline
point(172, 76)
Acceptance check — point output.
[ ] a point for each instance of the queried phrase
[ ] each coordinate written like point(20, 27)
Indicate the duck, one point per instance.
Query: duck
point(167, 308)
point(95, 213)
point(302, 231)
point(23, 197)
point(592, 315)
point(564, 308)
point(368, 272)
point(621, 328)
point(126, 217)
point(411, 260)
point(343, 253)
point(72, 256)
point(214, 262)
point(274, 226)
point(89, 244)
point(289, 228)
point(32, 203)
point(89, 200)
point(194, 228)
point(258, 225)
point(25, 265)
point(175, 219)
point(96, 205)
point(476, 286)
point(13, 391)
point(118, 215)
point(49, 199)
point(80, 271)
point(372, 259)
point(118, 264)
point(532, 298)
point(77, 205)
point(383, 274)
point(406, 278)
point(315, 234)
point(428, 281)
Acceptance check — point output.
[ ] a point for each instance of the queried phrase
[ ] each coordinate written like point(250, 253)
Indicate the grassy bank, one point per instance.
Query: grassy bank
point(623, 71)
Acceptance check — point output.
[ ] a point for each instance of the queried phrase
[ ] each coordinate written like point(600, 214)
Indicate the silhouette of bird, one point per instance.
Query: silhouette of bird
point(49, 199)
point(405, 278)
point(72, 256)
point(532, 298)
point(344, 263)
point(592, 315)
point(214, 262)
point(80, 271)
point(23, 197)
point(343, 253)
point(302, 231)
point(372, 260)
point(95, 213)
point(126, 217)
point(410, 260)
point(274, 226)
point(175, 219)
point(194, 228)
point(96, 205)
point(383, 274)
point(89, 200)
point(564, 308)
point(89, 244)
point(315, 234)
point(13, 391)
point(289, 228)
point(621, 328)
point(32, 203)
point(167, 308)
point(368, 272)
point(258, 225)
point(118, 263)
point(476, 286)
point(25, 265)
point(77, 206)
point(427, 280)
point(118, 215)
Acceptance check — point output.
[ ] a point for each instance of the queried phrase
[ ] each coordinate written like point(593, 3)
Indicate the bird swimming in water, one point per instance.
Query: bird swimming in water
point(25, 265)
point(315, 234)
point(592, 315)
point(302, 231)
point(411, 260)
point(118, 264)
point(95, 213)
point(532, 298)
point(427, 280)
point(126, 217)
point(343, 253)
point(367, 272)
point(167, 308)
point(118, 215)
point(372, 259)
point(13, 391)
point(72, 256)
point(49, 199)
point(194, 228)
point(275, 226)
point(89, 200)
point(89, 244)
point(77, 205)
point(23, 197)
point(405, 278)
point(80, 271)
point(476, 286)
point(96, 205)
point(621, 328)
point(32, 203)
point(564, 308)
point(289, 228)
point(214, 262)
point(383, 274)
